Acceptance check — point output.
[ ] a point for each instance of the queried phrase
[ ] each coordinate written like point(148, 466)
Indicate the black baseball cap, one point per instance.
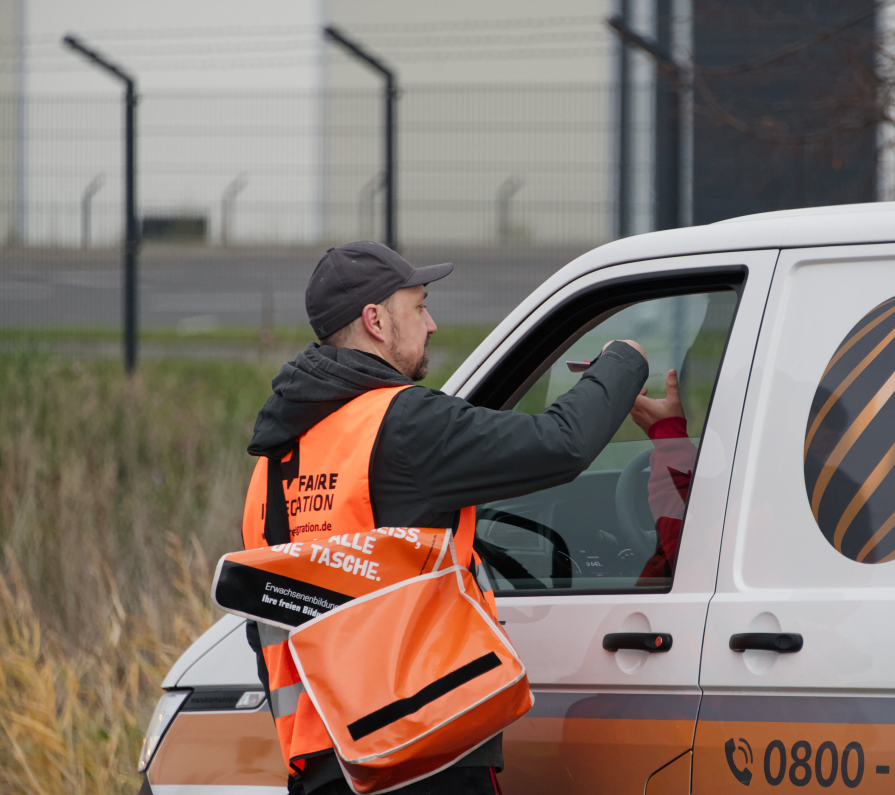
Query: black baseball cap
point(351, 276)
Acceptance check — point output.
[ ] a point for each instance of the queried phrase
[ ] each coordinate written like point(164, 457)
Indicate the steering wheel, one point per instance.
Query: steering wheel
point(643, 539)
point(507, 566)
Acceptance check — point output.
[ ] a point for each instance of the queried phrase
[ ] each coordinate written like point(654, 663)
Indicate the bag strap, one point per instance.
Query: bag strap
point(276, 518)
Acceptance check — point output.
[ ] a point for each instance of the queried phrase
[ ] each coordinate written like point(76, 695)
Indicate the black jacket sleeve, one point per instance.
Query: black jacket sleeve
point(458, 454)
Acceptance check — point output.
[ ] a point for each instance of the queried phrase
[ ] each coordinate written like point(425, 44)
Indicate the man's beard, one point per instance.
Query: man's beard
point(414, 370)
point(421, 369)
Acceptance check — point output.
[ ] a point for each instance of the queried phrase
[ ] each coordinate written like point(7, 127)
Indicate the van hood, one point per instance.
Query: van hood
point(320, 381)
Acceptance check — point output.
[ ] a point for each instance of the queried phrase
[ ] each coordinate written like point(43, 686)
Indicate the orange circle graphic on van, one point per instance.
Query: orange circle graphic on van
point(849, 452)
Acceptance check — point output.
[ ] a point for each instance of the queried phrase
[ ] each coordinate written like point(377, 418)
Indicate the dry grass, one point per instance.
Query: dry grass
point(115, 497)
point(71, 719)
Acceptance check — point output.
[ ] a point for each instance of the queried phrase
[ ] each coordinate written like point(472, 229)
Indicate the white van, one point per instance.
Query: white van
point(758, 653)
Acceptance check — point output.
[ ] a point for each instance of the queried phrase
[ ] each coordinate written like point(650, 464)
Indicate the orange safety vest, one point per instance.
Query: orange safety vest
point(327, 489)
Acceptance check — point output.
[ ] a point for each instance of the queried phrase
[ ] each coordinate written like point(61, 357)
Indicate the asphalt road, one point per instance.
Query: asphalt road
point(200, 287)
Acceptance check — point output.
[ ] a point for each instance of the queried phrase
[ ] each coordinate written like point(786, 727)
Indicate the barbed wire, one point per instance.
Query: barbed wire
point(373, 29)
point(225, 48)
point(143, 65)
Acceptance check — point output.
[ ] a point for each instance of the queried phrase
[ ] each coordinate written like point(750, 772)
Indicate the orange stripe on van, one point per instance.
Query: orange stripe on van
point(786, 753)
point(596, 742)
point(773, 742)
point(220, 749)
point(673, 778)
point(580, 756)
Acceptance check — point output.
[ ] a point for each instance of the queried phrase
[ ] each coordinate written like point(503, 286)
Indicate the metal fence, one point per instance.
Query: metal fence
point(240, 194)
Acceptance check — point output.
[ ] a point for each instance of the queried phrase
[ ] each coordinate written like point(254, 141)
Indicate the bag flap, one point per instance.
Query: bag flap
point(290, 584)
point(429, 653)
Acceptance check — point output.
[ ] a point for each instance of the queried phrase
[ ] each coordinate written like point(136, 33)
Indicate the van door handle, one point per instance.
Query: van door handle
point(640, 641)
point(782, 642)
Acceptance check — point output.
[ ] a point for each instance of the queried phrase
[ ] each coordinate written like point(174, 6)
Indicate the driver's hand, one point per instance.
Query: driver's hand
point(648, 411)
point(635, 345)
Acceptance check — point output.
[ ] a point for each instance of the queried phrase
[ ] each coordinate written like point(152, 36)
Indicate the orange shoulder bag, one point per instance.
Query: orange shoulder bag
point(408, 669)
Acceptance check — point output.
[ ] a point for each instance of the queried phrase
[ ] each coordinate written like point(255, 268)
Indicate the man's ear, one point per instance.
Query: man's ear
point(373, 321)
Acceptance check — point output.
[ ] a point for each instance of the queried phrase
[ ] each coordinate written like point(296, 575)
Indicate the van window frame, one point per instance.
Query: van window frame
point(538, 348)
point(537, 345)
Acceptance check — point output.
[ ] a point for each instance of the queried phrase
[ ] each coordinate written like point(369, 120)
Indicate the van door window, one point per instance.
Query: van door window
point(617, 526)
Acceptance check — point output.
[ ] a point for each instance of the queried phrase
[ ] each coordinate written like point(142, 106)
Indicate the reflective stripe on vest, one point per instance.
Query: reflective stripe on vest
point(284, 701)
point(283, 698)
point(326, 486)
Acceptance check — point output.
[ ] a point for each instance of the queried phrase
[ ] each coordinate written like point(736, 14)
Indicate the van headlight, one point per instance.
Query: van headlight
point(164, 713)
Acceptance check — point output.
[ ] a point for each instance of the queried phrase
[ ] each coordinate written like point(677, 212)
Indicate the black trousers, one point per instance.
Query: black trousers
point(453, 781)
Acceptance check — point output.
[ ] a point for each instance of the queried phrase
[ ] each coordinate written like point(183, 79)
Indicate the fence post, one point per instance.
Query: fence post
point(668, 112)
point(391, 96)
point(505, 192)
point(624, 131)
point(227, 199)
point(86, 207)
point(671, 74)
point(131, 231)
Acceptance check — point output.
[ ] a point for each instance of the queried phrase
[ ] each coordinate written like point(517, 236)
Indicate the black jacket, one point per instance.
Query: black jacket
point(437, 454)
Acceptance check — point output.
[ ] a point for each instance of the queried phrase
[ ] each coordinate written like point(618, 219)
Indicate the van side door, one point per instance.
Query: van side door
point(797, 671)
point(603, 583)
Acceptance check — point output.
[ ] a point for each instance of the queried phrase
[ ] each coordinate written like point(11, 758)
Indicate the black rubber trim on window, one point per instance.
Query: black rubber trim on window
point(407, 706)
point(541, 341)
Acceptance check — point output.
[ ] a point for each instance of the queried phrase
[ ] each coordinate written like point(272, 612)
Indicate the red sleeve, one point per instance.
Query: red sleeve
point(671, 470)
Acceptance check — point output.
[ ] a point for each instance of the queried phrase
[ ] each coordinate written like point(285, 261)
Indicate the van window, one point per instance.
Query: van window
point(616, 528)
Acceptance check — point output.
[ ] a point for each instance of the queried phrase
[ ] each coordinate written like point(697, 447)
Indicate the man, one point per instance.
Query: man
point(401, 456)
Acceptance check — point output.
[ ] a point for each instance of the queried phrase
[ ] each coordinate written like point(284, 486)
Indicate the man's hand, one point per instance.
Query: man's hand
point(648, 411)
point(634, 345)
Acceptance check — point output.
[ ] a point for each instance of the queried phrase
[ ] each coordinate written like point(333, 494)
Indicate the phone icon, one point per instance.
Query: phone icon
point(744, 775)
